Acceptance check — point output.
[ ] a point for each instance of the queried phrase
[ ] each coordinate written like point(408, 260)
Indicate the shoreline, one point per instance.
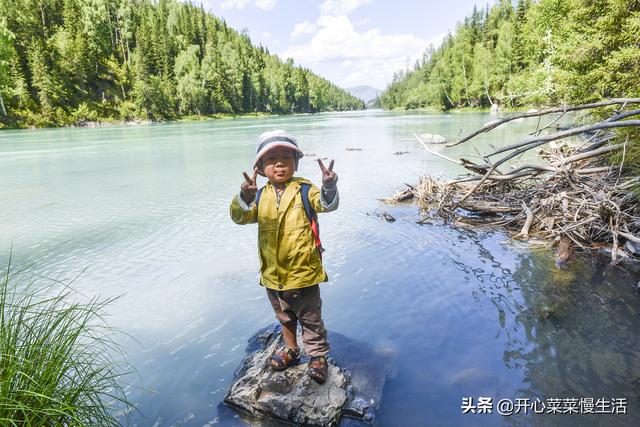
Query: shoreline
point(185, 119)
point(471, 109)
point(228, 116)
point(137, 122)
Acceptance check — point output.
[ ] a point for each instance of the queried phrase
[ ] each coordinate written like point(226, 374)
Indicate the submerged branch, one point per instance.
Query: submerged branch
point(435, 153)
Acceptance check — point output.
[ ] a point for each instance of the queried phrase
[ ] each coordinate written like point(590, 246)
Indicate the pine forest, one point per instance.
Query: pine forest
point(64, 62)
point(528, 53)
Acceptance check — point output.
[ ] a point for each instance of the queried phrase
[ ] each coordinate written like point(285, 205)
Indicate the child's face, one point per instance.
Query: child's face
point(279, 164)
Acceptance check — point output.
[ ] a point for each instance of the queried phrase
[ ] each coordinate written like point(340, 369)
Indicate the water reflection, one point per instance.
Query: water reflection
point(571, 332)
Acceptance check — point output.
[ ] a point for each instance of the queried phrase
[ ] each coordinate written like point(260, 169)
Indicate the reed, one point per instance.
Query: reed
point(59, 363)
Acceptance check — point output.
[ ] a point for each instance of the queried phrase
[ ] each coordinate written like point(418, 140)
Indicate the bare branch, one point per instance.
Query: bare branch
point(563, 109)
point(588, 154)
point(538, 131)
point(537, 141)
point(527, 224)
point(435, 153)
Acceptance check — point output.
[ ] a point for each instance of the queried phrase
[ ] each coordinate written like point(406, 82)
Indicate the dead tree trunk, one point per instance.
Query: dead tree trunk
point(2, 109)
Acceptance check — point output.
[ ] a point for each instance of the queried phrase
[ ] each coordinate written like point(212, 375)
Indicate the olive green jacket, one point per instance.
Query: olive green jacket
point(286, 246)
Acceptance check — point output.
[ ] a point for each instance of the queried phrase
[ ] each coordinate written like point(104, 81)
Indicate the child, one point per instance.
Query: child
point(288, 245)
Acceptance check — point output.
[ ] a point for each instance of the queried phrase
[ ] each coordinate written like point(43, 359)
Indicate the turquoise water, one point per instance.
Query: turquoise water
point(143, 211)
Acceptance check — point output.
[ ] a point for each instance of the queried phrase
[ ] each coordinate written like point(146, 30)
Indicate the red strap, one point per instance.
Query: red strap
point(316, 233)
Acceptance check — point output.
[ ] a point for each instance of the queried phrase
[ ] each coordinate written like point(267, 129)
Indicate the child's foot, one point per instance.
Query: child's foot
point(283, 358)
point(318, 369)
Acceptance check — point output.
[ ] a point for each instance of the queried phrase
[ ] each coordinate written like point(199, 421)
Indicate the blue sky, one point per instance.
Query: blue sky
point(350, 42)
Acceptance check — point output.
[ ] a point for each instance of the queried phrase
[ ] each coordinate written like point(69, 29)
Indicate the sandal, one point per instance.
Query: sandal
point(283, 358)
point(318, 369)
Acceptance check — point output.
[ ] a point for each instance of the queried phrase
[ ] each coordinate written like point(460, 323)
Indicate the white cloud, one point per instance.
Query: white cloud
point(265, 4)
point(374, 72)
point(230, 4)
point(437, 40)
point(241, 4)
point(341, 7)
point(350, 55)
point(303, 28)
point(370, 56)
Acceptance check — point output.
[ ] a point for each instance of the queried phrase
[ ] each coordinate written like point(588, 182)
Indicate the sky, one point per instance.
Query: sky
point(350, 42)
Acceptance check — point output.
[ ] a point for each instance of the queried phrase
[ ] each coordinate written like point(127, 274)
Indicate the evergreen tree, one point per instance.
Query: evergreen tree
point(67, 60)
point(539, 53)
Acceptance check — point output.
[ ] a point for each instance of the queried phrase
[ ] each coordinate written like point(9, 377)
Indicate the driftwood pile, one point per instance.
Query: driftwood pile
point(572, 194)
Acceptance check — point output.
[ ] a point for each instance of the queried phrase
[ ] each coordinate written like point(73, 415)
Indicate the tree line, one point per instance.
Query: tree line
point(65, 61)
point(528, 52)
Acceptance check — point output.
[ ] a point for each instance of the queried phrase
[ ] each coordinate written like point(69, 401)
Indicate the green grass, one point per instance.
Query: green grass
point(59, 364)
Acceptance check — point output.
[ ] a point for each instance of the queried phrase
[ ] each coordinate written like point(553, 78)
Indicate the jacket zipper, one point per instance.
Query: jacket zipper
point(280, 285)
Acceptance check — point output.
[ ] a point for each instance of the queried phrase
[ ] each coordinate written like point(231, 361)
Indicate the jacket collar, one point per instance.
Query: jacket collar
point(293, 186)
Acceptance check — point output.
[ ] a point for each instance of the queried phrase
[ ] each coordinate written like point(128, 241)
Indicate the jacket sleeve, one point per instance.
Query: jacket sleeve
point(241, 213)
point(317, 200)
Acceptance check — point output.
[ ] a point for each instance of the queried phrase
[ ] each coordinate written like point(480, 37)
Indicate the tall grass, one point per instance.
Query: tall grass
point(59, 364)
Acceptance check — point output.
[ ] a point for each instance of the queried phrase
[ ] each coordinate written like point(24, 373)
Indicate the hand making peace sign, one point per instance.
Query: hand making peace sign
point(329, 177)
point(249, 186)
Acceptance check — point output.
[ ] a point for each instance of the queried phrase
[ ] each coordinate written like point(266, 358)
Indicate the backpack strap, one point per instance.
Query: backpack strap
point(312, 216)
point(304, 192)
point(258, 194)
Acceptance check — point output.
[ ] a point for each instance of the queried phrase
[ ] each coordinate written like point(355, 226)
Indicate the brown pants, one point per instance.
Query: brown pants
point(304, 306)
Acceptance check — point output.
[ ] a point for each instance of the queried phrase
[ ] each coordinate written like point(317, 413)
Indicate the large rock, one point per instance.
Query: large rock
point(428, 138)
point(353, 388)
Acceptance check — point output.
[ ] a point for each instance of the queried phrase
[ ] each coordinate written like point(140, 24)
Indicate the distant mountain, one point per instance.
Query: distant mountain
point(367, 93)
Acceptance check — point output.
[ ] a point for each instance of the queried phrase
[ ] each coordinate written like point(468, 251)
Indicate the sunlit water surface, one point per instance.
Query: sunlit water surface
point(143, 211)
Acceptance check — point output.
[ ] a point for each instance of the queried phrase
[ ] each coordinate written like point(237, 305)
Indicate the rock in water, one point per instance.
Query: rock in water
point(387, 217)
point(632, 248)
point(293, 397)
point(433, 139)
point(289, 395)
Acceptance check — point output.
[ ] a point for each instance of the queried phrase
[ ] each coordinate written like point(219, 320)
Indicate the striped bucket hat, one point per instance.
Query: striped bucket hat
point(272, 139)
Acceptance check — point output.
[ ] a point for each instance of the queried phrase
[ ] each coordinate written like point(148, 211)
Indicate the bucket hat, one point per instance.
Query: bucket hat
point(272, 139)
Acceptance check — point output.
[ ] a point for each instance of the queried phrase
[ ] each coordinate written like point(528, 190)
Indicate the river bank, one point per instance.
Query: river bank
point(14, 123)
point(82, 123)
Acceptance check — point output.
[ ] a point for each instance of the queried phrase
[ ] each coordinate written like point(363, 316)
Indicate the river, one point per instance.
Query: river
point(142, 212)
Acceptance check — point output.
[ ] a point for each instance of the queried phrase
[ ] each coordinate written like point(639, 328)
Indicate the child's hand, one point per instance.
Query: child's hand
point(329, 177)
point(249, 187)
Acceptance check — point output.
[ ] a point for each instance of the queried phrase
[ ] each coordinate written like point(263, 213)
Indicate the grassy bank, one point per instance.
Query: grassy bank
point(58, 361)
point(502, 109)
